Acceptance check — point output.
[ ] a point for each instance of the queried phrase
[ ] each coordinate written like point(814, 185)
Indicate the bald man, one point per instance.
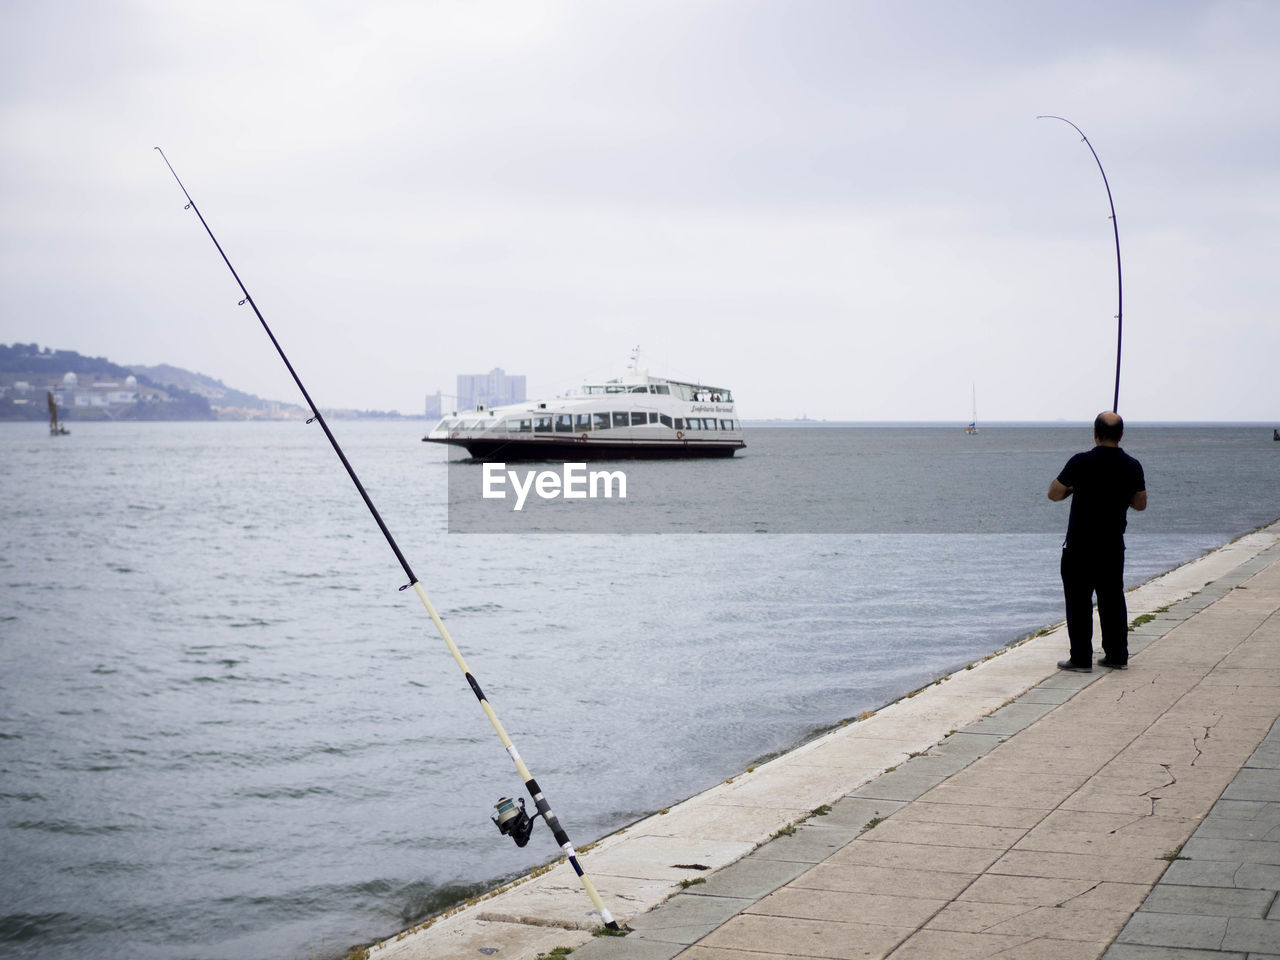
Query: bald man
point(1103, 483)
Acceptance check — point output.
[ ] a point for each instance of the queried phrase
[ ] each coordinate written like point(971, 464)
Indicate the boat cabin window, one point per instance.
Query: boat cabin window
point(653, 417)
point(474, 425)
point(708, 423)
point(564, 423)
point(542, 424)
point(640, 389)
point(664, 420)
point(693, 423)
point(599, 421)
point(581, 421)
point(615, 388)
point(679, 424)
point(661, 388)
point(639, 418)
point(726, 424)
point(520, 426)
point(619, 419)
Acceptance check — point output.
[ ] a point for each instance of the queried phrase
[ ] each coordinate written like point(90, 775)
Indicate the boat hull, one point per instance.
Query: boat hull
point(576, 450)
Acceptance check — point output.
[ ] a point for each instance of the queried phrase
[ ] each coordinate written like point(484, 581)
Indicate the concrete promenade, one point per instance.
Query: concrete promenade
point(1008, 810)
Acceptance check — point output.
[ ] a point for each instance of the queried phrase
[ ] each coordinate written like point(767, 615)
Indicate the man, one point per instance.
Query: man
point(1105, 482)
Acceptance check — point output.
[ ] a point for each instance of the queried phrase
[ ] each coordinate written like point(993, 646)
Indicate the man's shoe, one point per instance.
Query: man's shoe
point(1111, 664)
point(1077, 668)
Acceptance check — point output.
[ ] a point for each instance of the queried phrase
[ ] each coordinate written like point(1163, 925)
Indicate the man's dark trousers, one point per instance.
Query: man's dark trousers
point(1083, 575)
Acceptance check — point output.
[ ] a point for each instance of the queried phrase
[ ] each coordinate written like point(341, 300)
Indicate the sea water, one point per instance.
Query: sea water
point(225, 732)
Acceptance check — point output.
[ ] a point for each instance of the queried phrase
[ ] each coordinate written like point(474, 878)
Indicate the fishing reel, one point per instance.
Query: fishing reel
point(514, 822)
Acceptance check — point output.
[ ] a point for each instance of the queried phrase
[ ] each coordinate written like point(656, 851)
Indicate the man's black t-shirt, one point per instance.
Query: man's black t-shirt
point(1103, 481)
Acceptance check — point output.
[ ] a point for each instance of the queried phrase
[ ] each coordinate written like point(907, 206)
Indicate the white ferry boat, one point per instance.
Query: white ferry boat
point(634, 416)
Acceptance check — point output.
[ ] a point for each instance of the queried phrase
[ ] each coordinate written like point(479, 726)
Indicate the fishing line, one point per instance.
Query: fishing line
point(510, 821)
point(1115, 405)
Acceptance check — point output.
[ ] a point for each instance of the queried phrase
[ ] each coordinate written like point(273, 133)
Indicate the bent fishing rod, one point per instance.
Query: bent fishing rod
point(1115, 404)
point(511, 821)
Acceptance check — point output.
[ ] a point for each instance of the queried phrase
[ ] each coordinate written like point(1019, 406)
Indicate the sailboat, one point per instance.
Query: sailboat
point(55, 428)
point(972, 427)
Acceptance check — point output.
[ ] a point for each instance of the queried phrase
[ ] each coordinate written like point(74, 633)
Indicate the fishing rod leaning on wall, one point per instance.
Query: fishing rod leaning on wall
point(511, 820)
point(1115, 403)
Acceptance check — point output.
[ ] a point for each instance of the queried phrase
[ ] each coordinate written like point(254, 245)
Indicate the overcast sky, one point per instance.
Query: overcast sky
point(841, 209)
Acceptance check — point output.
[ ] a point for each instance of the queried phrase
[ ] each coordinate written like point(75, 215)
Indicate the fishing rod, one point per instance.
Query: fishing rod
point(1115, 404)
point(511, 820)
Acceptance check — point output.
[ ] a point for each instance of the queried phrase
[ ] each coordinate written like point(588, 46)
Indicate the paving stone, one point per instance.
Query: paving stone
point(1065, 923)
point(1020, 793)
point(1243, 851)
point(877, 908)
point(1073, 866)
point(970, 744)
point(1042, 694)
point(854, 813)
point(1261, 876)
point(968, 916)
point(1245, 810)
point(1071, 680)
point(1253, 936)
point(990, 816)
point(1136, 951)
point(685, 919)
point(700, 952)
point(901, 830)
point(1238, 830)
point(1010, 719)
point(937, 765)
point(956, 945)
point(1169, 930)
point(806, 938)
point(751, 876)
point(898, 785)
point(1054, 892)
point(1267, 755)
point(1204, 873)
point(891, 881)
point(917, 856)
point(809, 844)
point(1208, 901)
point(627, 948)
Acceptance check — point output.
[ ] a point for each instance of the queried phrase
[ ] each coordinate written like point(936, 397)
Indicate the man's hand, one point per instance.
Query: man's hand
point(1059, 491)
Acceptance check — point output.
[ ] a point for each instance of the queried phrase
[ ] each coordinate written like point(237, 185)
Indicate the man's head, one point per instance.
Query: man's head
point(1108, 428)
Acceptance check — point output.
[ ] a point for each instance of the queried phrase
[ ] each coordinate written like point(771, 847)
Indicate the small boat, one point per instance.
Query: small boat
point(972, 427)
point(56, 429)
point(634, 416)
point(1275, 434)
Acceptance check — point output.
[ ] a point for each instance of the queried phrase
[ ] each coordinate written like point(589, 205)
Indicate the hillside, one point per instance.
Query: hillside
point(220, 396)
point(95, 388)
point(87, 388)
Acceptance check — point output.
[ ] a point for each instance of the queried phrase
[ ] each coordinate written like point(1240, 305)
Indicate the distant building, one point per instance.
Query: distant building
point(489, 389)
point(435, 403)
